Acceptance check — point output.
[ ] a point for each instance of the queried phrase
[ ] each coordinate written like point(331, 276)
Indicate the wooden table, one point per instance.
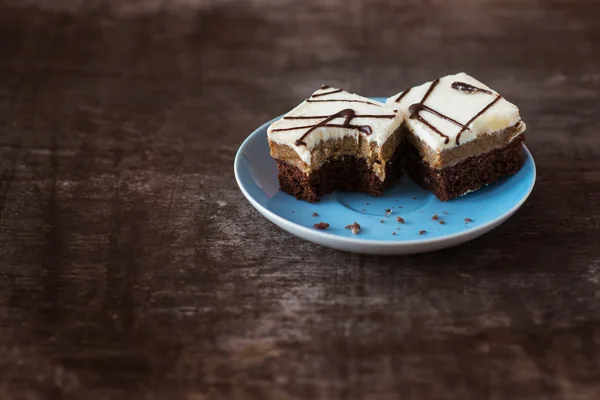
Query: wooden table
point(131, 266)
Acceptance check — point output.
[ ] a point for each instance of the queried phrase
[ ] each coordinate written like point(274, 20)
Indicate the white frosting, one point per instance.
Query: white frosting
point(461, 107)
point(381, 128)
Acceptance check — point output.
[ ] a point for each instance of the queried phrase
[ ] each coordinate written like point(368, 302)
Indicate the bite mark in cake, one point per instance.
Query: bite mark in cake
point(336, 140)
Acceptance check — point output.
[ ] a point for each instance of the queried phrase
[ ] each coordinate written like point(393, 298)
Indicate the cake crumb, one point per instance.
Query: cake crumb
point(322, 225)
point(315, 214)
point(354, 228)
point(388, 211)
point(442, 222)
point(381, 221)
point(394, 233)
point(445, 213)
point(467, 220)
point(422, 232)
point(400, 219)
point(362, 209)
point(435, 217)
point(414, 198)
point(367, 203)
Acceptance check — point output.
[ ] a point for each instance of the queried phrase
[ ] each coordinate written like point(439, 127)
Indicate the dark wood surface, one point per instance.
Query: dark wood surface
point(131, 266)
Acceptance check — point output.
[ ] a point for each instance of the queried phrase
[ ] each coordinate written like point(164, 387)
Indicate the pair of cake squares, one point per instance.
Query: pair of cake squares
point(452, 136)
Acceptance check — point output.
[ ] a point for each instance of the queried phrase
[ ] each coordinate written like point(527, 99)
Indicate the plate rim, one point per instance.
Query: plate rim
point(291, 226)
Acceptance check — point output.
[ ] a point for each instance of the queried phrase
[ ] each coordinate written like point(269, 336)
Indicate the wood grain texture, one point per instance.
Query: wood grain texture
point(132, 267)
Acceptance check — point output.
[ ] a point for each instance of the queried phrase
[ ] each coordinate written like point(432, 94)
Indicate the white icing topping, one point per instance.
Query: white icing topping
point(461, 107)
point(322, 105)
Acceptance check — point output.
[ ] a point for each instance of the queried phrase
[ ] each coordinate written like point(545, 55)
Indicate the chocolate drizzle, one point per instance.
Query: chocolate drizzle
point(342, 100)
point(325, 87)
point(498, 97)
point(431, 87)
point(414, 109)
point(469, 89)
point(325, 125)
point(329, 116)
point(402, 95)
point(327, 93)
point(348, 114)
point(417, 107)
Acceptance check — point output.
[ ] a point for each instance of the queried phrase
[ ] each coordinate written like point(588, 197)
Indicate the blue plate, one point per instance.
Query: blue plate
point(256, 175)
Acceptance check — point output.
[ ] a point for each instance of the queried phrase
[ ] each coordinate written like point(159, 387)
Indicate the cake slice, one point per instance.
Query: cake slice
point(460, 135)
point(336, 140)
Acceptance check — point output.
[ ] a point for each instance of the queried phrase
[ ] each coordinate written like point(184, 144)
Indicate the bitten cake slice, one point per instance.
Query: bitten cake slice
point(460, 135)
point(336, 140)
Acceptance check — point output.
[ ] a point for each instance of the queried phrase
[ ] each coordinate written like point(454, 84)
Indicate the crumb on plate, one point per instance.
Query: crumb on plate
point(354, 228)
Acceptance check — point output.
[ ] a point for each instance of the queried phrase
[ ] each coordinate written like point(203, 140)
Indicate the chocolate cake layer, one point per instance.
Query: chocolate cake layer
point(347, 173)
point(468, 175)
